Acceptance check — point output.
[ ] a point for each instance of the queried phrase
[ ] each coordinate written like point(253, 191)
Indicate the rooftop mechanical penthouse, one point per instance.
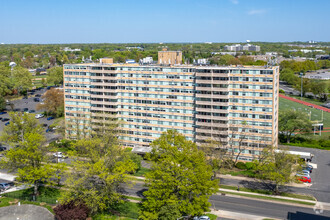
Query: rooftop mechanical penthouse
point(234, 105)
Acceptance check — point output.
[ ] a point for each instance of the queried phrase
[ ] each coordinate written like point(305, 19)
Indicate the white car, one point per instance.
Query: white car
point(39, 116)
point(59, 155)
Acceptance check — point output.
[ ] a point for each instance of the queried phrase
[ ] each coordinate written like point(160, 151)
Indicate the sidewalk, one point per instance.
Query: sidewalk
point(6, 176)
point(264, 195)
point(237, 215)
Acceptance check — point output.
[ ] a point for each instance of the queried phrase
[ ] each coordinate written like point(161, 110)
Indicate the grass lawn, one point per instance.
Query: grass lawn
point(47, 195)
point(127, 210)
point(141, 172)
point(269, 198)
point(316, 115)
point(237, 172)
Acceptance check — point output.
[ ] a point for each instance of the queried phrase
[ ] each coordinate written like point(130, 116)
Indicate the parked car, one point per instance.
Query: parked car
point(310, 166)
point(50, 118)
point(7, 123)
point(59, 155)
point(3, 148)
point(17, 109)
point(304, 179)
point(45, 125)
point(25, 110)
point(39, 116)
point(303, 174)
point(36, 99)
point(25, 97)
point(308, 169)
point(5, 119)
point(37, 95)
point(2, 113)
point(32, 111)
point(4, 186)
point(203, 217)
point(48, 130)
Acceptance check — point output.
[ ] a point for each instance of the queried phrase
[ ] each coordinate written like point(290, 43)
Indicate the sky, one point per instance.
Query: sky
point(153, 21)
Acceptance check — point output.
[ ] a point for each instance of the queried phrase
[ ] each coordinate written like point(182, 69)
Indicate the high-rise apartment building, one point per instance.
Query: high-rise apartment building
point(237, 105)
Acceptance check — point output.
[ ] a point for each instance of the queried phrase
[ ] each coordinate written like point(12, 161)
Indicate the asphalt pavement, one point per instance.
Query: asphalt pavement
point(248, 206)
point(31, 105)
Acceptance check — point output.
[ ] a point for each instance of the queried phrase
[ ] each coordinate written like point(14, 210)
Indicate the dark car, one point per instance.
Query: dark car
point(5, 119)
point(49, 130)
point(25, 109)
point(7, 123)
point(3, 148)
point(32, 111)
point(17, 109)
point(2, 113)
point(36, 99)
point(4, 186)
point(50, 118)
point(38, 95)
point(45, 125)
point(25, 97)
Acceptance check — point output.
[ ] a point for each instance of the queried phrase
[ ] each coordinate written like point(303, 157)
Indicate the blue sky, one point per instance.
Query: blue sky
point(130, 21)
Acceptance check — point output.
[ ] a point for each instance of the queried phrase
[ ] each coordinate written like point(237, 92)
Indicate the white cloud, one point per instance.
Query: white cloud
point(256, 12)
point(235, 2)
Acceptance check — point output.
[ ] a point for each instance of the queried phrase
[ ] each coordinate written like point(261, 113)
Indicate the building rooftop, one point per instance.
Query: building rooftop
point(173, 66)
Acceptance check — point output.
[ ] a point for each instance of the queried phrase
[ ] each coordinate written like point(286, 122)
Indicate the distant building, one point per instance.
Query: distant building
point(169, 57)
point(130, 61)
point(320, 74)
point(238, 47)
point(201, 62)
point(146, 60)
point(134, 48)
point(68, 49)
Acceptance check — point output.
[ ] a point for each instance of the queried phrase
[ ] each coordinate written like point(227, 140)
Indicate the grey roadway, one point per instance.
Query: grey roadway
point(249, 206)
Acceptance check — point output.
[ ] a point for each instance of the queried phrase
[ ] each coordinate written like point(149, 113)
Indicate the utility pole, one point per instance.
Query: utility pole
point(301, 93)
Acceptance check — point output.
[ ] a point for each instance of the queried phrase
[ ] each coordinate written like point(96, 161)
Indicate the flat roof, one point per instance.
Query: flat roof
point(173, 66)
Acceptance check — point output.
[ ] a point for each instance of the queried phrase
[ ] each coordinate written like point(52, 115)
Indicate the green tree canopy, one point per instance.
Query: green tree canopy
point(291, 121)
point(98, 179)
point(29, 159)
point(179, 176)
point(55, 75)
point(22, 79)
point(277, 166)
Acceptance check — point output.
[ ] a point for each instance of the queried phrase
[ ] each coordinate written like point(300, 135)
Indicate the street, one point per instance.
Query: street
point(244, 205)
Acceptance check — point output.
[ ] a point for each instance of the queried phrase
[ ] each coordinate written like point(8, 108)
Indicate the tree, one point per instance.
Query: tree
point(2, 103)
point(53, 102)
point(5, 83)
point(320, 89)
point(55, 75)
point(292, 121)
point(29, 159)
point(98, 180)
point(179, 176)
point(20, 125)
point(277, 166)
point(22, 79)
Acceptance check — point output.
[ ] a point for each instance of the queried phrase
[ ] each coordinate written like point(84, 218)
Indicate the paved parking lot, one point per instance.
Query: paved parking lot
point(31, 105)
point(320, 187)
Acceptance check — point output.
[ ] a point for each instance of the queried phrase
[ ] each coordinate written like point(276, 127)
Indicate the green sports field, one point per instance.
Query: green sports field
point(315, 114)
